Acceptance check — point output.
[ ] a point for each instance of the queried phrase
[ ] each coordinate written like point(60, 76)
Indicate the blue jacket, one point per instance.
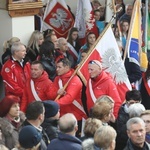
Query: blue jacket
point(65, 142)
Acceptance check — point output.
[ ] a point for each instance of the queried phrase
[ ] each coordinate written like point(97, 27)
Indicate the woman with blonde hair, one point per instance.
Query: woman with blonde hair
point(34, 44)
point(7, 48)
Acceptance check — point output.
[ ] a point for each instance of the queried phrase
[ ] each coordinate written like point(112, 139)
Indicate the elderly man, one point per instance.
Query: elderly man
point(39, 87)
point(70, 100)
point(136, 133)
point(66, 138)
point(16, 70)
point(64, 51)
point(100, 83)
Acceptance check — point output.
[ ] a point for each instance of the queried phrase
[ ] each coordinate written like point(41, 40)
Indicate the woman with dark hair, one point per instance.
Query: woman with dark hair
point(46, 56)
point(73, 39)
point(145, 87)
point(90, 40)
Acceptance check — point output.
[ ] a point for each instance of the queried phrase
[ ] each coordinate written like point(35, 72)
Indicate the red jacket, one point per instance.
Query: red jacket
point(44, 87)
point(103, 85)
point(73, 92)
point(15, 76)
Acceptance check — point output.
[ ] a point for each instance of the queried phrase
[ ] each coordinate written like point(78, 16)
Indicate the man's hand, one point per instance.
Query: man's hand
point(61, 92)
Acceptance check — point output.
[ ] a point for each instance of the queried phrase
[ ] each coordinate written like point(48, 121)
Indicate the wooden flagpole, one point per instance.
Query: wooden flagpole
point(88, 54)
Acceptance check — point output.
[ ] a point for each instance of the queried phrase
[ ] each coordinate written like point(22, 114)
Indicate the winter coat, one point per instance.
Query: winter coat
point(14, 76)
point(133, 71)
point(49, 66)
point(121, 121)
point(103, 85)
point(32, 54)
point(73, 92)
point(65, 142)
point(44, 88)
point(50, 127)
point(131, 146)
point(9, 132)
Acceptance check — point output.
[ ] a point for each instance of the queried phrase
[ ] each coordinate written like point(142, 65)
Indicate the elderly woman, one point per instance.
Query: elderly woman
point(10, 121)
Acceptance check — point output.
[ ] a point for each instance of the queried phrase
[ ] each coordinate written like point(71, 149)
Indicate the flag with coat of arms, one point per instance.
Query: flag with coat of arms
point(107, 52)
point(58, 17)
point(84, 19)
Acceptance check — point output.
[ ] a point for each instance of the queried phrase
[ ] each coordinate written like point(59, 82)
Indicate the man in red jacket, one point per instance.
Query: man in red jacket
point(70, 100)
point(16, 70)
point(100, 83)
point(39, 87)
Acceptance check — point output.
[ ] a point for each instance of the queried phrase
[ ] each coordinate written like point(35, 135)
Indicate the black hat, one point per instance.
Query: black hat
point(29, 137)
point(51, 108)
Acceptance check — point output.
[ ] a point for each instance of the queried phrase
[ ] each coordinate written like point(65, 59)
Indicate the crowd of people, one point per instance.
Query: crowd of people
point(47, 106)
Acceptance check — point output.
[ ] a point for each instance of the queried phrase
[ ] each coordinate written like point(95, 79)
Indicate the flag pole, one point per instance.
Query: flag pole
point(87, 56)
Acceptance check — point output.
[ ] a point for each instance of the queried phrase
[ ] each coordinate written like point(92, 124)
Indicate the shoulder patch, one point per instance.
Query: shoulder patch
point(7, 70)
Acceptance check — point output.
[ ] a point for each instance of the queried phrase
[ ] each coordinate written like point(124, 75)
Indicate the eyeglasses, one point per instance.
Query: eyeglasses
point(93, 62)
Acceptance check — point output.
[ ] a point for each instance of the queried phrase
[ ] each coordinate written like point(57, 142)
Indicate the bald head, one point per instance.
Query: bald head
point(67, 123)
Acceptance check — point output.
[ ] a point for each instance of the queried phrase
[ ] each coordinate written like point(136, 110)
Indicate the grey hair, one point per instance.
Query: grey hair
point(60, 40)
point(135, 110)
point(88, 144)
point(135, 120)
point(16, 47)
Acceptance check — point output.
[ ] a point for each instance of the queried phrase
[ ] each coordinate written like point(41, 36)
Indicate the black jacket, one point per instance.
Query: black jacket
point(121, 121)
point(50, 127)
point(131, 146)
point(49, 66)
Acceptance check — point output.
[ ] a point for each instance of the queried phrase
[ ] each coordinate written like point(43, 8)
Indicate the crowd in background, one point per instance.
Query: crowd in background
point(37, 113)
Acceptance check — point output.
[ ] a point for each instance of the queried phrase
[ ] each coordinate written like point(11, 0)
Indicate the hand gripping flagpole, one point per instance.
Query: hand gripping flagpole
point(87, 56)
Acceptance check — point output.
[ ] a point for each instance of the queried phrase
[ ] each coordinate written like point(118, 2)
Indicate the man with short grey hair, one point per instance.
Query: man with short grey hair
point(136, 133)
point(16, 70)
point(66, 138)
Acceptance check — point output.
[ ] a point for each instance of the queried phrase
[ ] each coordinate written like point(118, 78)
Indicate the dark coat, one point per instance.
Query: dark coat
point(50, 127)
point(145, 96)
point(133, 71)
point(49, 66)
point(32, 54)
point(131, 146)
point(65, 142)
point(121, 121)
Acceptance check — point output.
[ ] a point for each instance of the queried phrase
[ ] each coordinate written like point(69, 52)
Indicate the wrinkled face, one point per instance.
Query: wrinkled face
point(36, 71)
point(14, 110)
point(20, 54)
point(55, 41)
point(94, 70)
point(63, 45)
point(74, 35)
point(97, 15)
point(125, 26)
point(146, 119)
point(61, 69)
point(91, 39)
point(137, 133)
